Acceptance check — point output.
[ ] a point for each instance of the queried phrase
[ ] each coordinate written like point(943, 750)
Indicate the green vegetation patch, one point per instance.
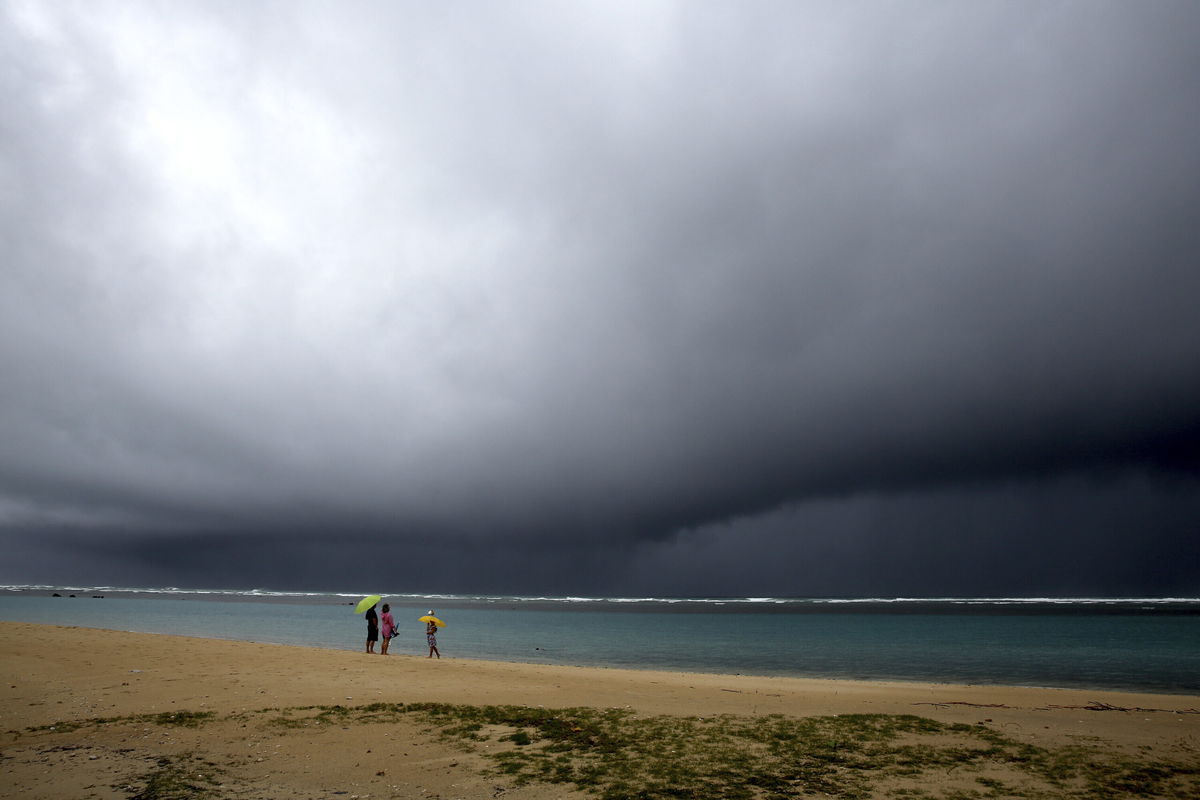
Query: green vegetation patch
point(339, 715)
point(183, 719)
point(614, 754)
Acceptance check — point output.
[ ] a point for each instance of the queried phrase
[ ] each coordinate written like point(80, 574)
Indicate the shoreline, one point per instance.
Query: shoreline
point(1156, 655)
point(896, 681)
point(92, 655)
point(106, 706)
point(821, 679)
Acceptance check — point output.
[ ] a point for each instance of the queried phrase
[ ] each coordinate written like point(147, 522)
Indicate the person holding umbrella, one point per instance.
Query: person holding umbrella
point(372, 629)
point(431, 625)
point(368, 603)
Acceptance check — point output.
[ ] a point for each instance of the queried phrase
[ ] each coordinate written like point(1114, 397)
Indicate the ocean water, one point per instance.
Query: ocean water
point(1150, 644)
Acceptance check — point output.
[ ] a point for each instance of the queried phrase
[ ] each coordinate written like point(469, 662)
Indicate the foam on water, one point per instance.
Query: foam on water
point(625, 601)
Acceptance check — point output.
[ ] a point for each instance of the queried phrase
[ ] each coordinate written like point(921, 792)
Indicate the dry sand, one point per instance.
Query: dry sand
point(54, 675)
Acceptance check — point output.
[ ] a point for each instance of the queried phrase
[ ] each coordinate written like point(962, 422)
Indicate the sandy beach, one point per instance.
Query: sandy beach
point(93, 713)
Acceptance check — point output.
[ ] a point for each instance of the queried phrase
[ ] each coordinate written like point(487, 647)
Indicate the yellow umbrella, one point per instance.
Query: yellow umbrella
point(367, 602)
point(434, 620)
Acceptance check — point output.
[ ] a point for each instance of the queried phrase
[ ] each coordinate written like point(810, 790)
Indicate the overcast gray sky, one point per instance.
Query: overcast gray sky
point(705, 298)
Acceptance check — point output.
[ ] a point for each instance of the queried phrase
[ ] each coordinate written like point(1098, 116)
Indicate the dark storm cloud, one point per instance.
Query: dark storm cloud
point(562, 275)
point(1075, 536)
point(1126, 536)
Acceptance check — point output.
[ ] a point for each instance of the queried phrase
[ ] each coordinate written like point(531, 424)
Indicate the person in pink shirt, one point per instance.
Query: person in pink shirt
point(389, 628)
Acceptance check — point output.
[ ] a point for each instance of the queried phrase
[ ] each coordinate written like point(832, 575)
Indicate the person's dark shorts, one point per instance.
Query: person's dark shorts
point(372, 634)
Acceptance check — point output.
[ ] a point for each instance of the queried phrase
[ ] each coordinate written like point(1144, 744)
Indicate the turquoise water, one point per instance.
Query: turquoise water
point(1139, 645)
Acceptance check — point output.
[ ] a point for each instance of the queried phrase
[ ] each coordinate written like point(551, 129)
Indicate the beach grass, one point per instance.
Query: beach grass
point(615, 754)
point(183, 719)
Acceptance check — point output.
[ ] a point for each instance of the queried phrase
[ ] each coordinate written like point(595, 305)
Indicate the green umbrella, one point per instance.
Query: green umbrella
point(367, 602)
